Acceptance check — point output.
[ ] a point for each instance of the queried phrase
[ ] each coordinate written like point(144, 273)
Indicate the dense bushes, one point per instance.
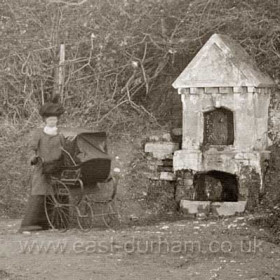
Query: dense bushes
point(121, 58)
point(119, 54)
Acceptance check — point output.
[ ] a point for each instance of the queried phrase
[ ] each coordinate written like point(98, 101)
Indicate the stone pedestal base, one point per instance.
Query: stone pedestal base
point(246, 169)
point(184, 188)
point(221, 209)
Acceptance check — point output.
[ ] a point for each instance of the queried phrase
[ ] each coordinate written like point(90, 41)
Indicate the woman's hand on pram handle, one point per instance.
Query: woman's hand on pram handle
point(35, 159)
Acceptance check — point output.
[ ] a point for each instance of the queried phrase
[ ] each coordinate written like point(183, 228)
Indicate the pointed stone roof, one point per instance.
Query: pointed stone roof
point(222, 62)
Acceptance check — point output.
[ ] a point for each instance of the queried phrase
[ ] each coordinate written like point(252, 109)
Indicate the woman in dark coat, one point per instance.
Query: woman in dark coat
point(46, 144)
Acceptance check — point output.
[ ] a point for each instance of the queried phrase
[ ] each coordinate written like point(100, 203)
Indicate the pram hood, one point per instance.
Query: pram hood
point(85, 144)
point(88, 149)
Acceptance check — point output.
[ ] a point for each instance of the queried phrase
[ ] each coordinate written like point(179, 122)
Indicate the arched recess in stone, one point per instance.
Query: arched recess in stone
point(218, 127)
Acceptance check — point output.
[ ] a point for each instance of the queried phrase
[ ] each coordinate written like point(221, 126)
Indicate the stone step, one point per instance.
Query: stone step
point(222, 209)
point(228, 208)
point(167, 176)
point(161, 150)
point(165, 169)
point(195, 207)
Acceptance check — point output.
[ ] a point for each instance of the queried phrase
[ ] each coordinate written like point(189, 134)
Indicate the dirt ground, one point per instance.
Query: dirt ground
point(187, 249)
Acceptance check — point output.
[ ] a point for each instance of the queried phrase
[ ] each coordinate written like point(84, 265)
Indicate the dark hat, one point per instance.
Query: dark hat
point(51, 109)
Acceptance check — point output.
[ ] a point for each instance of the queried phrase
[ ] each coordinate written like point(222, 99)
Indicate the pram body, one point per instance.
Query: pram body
point(74, 188)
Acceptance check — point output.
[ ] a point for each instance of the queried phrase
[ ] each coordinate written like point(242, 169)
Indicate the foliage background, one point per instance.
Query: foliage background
point(121, 59)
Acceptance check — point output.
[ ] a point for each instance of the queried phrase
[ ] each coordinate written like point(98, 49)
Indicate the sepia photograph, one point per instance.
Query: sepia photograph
point(139, 139)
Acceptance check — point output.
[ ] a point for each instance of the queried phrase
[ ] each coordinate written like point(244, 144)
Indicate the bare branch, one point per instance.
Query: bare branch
point(67, 3)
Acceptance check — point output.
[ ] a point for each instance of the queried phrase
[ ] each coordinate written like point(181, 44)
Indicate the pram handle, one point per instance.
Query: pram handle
point(35, 160)
point(69, 155)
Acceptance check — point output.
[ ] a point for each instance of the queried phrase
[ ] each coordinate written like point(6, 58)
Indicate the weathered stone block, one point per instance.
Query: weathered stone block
point(251, 89)
point(193, 90)
point(161, 150)
point(177, 131)
point(211, 90)
point(239, 89)
point(185, 159)
point(225, 90)
point(167, 176)
point(228, 208)
point(188, 182)
point(154, 138)
point(176, 135)
point(201, 90)
point(195, 207)
point(249, 186)
point(180, 193)
point(166, 137)
point(152, 167)
point(183, 91)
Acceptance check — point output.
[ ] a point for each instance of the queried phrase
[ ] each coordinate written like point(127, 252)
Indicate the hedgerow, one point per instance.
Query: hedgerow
point(121, 57)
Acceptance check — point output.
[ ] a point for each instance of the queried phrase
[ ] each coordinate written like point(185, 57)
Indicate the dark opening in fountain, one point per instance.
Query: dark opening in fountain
point(216, 186)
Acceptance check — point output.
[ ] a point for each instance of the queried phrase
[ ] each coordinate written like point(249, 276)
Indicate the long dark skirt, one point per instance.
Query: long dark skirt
point(35, 217)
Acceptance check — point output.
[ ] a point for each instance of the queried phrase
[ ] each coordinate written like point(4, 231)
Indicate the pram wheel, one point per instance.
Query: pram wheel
point(57, 206)
point(84, 215)
point(110, 215)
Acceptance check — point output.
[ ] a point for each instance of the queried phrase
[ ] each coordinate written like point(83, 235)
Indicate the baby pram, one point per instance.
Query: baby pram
point(74, 194)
